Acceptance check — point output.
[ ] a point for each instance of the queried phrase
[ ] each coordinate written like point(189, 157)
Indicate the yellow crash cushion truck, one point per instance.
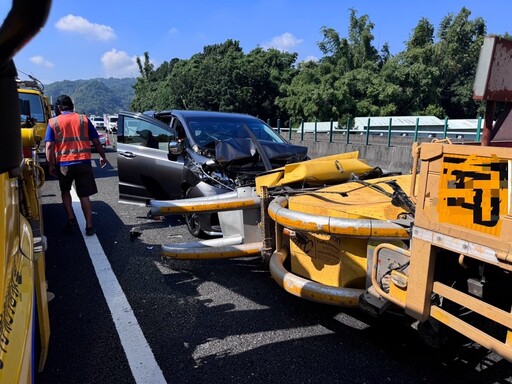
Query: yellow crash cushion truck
point(35, 112)
point(436, 244)
point(457, 273)
point(24, 320)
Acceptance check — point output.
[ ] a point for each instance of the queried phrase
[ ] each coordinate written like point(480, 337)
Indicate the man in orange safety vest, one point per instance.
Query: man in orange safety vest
point(68, 151)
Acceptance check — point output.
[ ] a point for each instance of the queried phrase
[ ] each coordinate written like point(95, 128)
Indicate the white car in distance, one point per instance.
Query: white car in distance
point(98, 122)
point(112, 124)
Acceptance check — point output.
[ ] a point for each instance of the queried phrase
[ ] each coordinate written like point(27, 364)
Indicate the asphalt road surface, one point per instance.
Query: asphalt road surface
point(122, 314)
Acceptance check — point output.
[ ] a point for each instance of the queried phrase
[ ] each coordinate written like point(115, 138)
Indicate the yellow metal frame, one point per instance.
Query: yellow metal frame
point(310, 277)
point(310, 290)
point(23, 281)
point(436, 232)
point(17, 288)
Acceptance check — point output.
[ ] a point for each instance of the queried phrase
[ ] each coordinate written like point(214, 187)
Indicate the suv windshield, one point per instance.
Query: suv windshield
point(206, 130)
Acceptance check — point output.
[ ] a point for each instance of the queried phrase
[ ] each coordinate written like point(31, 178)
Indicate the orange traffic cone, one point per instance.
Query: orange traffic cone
point(107, 141)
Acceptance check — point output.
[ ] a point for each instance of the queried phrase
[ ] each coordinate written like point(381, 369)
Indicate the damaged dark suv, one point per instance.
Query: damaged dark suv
point(180, 154)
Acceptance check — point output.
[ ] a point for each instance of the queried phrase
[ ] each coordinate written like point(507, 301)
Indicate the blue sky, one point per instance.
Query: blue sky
point(88, 39)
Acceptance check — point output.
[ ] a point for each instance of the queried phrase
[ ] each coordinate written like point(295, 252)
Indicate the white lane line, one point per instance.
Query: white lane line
point(142, 362)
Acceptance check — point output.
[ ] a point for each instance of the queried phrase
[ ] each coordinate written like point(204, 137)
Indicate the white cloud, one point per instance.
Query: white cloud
point(119, 64)
point(285, 42)
point(40, 60)
point(173, 31)
point(78, 24)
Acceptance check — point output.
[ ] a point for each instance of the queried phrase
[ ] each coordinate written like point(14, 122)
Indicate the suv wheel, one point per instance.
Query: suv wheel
point(194, 227)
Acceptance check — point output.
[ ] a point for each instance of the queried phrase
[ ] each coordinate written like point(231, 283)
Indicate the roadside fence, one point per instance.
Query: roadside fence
point(373, 130)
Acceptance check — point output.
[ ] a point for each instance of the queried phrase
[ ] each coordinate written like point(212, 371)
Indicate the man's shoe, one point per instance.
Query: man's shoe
point(89, 231)
point(70, 226)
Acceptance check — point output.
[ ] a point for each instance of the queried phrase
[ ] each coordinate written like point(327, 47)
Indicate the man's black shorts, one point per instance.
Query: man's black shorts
point(84, 179)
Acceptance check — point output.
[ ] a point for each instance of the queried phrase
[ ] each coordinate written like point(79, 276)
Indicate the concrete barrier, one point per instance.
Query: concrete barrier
point(395, 158)
point(392, 159)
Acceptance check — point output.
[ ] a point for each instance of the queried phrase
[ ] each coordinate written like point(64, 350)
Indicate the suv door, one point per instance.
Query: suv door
point(146, 170)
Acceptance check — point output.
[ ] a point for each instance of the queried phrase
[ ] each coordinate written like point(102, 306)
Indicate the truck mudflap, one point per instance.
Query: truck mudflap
point(41, 294)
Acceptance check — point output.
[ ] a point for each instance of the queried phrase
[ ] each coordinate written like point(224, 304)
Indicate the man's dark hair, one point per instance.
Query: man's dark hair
point(56, 109)
point(64, 103)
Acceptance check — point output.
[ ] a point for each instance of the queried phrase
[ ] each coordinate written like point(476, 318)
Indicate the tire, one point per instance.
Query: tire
point(194, 227)
point(192, 221)
point(434, 334)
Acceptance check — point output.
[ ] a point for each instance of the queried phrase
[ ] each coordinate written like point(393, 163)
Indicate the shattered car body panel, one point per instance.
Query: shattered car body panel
point(176, 154)
point(242, 153)
point(241, 146)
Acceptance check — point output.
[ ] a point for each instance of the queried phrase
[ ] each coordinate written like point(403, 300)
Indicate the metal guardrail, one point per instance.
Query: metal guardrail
point(347, 134)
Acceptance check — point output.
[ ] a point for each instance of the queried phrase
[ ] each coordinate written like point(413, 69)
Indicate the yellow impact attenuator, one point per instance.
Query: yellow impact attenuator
point(324, 170)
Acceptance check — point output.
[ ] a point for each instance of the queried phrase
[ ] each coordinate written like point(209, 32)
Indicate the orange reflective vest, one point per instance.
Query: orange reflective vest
point(72, 140)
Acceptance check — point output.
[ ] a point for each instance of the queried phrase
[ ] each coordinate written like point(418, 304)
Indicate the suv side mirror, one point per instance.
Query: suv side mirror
point(175, 148)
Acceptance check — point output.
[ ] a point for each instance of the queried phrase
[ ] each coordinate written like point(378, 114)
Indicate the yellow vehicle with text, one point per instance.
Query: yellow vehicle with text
point(439, 246)
point(35, 112)
point(457, 273)
point(24, 320)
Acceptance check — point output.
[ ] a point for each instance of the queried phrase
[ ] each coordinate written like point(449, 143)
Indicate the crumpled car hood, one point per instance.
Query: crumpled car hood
point(243, 152)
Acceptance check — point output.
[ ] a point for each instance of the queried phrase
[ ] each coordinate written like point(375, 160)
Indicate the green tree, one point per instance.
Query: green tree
point(145, 86)
point(422, 36)
point(346, 81)
point(433, 75)
point(415, 72)
point(206, 81)
point(221, 78)
point(457, 55)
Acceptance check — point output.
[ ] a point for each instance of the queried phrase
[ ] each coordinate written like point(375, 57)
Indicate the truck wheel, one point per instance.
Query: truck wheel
point(434, 334)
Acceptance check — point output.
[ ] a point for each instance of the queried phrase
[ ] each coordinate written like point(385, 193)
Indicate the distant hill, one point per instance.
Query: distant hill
point(95, 96)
